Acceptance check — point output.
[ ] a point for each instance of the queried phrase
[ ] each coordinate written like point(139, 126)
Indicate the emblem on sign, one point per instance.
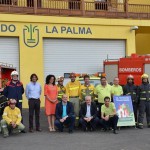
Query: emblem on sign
point(31, 35)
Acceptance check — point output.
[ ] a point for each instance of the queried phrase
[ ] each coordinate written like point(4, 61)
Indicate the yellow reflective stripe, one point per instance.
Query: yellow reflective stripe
point(142, 98)
point(91, 92)
point(130, 93)
point(19, 115)
point(4, 114)
point(141, 124)
point(143, 92)
point(20, 101)
point(74, 88)
point(83, 93)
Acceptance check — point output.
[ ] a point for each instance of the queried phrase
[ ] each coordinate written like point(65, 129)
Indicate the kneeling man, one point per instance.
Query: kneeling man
point(65, 114)
point(11, 119)
point(109, 117)
point(88, 115)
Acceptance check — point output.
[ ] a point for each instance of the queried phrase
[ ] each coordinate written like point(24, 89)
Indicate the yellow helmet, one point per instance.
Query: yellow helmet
point(144, 76)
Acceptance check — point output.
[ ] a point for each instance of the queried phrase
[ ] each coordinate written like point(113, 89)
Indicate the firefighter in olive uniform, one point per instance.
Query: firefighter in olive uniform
point(86, 89)
point(72, 90)
point(144, 100)
point(61, 88)
point(131, 89)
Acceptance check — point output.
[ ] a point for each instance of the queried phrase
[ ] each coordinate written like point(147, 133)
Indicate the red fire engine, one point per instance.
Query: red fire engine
point(5, 71)
point(135, 65)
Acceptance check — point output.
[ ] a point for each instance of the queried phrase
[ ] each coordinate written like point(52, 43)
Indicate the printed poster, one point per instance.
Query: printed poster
point(124, 110)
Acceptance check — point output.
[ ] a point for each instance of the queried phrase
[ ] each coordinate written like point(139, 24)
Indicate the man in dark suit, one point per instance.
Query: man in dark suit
point(65, 114)
point(88, 115)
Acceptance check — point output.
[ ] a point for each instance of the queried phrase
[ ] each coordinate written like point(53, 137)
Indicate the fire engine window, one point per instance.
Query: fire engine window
point(66, 75)
point(30, 3)
point(74, 4)
point(101, 5)
point(8, 2)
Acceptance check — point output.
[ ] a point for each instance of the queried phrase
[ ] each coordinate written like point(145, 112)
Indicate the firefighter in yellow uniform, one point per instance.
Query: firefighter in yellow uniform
point(72, 90)
point(11, 119)
point(61, 88)
point(86, 89)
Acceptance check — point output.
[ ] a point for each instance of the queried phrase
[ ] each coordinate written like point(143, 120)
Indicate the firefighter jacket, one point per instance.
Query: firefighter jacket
point(131, 89)
point(72, 88)
point(86, 91)
point(144, 92)
point(61, 91)
point(12, 115)
point(14, 91)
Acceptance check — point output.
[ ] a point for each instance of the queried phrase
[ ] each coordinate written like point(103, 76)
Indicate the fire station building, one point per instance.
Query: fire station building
point(58, 43)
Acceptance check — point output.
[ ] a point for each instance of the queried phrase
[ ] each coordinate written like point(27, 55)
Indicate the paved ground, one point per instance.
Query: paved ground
point(127, 139)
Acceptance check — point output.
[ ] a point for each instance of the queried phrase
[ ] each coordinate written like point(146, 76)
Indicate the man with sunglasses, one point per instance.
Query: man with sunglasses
point(131, 90)
point(11, 119)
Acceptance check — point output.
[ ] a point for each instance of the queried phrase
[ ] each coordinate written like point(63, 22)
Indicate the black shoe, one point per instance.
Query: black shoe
point(23, 131)
point(105, 129)
point(85, 129)
point(70, 131)
point(115, 132)
point(31, 130)
point(148, 126)
point(61, 130)
point(39, 130)
point(140, 126)
point(92, 129)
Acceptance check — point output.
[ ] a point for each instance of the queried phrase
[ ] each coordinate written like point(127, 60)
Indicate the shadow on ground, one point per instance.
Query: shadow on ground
point(127, 139)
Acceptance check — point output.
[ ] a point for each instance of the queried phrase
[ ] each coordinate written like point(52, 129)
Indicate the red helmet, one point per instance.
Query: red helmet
point(130, 77)
point(72, 75)
point(12, 101)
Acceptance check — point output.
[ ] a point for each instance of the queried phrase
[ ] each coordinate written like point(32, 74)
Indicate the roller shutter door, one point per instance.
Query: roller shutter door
point(9, 51)
point(80, 56)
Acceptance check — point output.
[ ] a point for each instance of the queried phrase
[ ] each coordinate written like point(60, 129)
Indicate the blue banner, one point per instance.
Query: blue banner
point(124, 109)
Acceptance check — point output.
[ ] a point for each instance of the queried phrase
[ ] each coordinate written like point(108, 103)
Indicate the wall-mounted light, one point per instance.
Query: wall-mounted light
point(134, 28)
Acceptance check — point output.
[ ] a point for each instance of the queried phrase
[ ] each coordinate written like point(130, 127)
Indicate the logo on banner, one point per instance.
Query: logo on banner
point(31, 35)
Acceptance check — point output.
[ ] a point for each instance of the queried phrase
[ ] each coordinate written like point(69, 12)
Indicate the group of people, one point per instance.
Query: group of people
point(74, 104)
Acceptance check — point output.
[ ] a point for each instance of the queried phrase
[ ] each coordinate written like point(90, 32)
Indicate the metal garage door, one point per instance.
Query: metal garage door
point(80, 56)
point(9, 51)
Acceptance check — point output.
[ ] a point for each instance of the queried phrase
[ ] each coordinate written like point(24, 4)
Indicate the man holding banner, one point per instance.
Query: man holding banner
point(109, 116)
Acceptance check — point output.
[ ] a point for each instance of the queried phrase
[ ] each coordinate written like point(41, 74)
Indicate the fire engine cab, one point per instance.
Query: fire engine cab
point(5, 71)
point(135, 65)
